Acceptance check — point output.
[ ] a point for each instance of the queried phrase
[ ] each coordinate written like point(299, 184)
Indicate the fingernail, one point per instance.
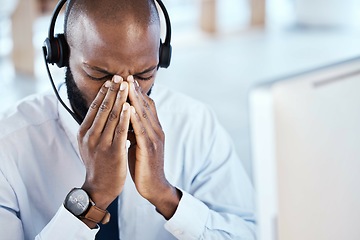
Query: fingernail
point(137, 84)
point(107, 84)
point(123, 86)
point(125, 106)
point(133, 109)
point(117, 78)
point(130, 78)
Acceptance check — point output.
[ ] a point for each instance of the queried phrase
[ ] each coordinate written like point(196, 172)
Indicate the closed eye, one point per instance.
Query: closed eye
point(107, 77)
point(143, 79)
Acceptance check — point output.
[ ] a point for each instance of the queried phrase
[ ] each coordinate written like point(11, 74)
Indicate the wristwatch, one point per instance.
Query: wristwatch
point(80, 204)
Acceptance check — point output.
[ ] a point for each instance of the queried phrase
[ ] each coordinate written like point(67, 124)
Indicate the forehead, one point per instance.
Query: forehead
point(126, 43)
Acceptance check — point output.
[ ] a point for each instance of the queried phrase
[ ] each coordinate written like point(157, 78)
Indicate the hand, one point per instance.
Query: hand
point(146, 153)
point(102, 142)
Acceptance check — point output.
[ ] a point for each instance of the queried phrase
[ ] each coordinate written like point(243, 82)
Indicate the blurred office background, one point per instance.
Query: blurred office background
point(221, 48)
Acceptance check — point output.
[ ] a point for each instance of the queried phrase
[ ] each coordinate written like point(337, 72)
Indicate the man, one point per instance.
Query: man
point(180, 177)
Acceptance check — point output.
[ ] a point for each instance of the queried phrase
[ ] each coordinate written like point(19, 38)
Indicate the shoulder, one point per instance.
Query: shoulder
point(184, 117)
point(173, 103)
point(33, 110)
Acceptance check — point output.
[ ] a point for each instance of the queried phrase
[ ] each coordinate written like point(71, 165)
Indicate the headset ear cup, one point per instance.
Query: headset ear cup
point(63, 51)
point(51, 50)
point(164, 55)
point(57, 50)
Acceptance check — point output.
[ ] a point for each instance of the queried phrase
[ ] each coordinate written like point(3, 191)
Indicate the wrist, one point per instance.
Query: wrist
point(80, 204)
point(168, 203)
point(101, 199)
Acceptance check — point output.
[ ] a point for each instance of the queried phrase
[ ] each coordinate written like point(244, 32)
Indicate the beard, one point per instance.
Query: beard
point(76, 98)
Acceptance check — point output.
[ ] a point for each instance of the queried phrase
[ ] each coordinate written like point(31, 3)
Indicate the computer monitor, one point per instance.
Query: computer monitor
point(305, 138)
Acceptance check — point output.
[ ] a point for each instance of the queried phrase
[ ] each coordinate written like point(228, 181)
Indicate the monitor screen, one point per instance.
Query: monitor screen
point(305, 138)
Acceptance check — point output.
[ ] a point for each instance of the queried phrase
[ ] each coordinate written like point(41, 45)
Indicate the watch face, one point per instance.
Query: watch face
point(77, 201)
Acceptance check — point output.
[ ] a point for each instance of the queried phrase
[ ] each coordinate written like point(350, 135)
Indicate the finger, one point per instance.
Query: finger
point(115, 113)
point(122, 128)
point(141, 134)
point(106, 106)
point(150, 107)
point(153, 110)
point(142, 108)
point(94, 106)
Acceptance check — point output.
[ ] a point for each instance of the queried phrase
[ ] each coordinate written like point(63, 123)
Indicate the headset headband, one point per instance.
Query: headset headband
point(57, 48)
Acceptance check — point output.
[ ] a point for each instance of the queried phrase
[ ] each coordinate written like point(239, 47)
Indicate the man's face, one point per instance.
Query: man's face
point(99, 51)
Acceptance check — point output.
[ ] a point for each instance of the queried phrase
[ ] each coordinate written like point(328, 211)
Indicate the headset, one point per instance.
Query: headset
point(56, 50)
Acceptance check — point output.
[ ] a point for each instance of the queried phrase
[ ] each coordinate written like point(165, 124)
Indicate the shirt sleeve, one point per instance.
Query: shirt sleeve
point(64, 225)
point(194, 220)
point(218, 203)
point(10, 224)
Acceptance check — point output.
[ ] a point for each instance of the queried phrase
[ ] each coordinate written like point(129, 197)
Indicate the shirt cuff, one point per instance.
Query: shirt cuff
point(190, 218)
point(64, 225)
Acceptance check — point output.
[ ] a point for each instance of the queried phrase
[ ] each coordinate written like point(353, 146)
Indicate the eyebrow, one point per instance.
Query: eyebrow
point(98, 69)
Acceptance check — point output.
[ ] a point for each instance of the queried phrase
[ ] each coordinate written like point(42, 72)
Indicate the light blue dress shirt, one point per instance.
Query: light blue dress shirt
point(40, 163)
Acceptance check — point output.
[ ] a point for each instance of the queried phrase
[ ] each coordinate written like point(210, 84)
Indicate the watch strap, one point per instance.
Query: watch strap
point(97, 215)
